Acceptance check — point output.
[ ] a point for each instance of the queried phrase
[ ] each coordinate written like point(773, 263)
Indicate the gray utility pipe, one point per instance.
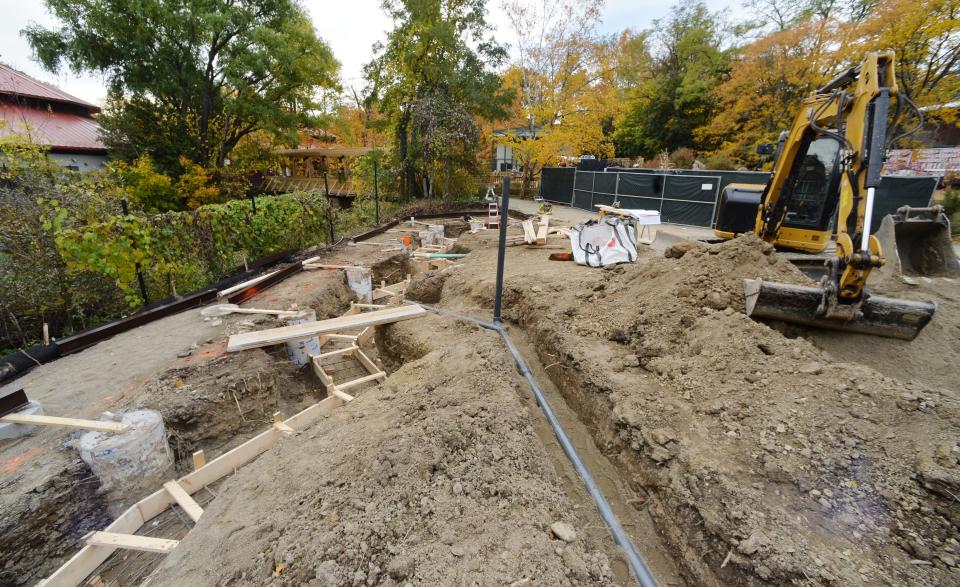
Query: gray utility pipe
point(636, 562)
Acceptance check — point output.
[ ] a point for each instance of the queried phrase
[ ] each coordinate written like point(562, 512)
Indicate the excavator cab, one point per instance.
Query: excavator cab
point(810, 200)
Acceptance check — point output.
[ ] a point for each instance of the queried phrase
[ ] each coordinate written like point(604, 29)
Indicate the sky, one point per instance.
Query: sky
point(350, 28)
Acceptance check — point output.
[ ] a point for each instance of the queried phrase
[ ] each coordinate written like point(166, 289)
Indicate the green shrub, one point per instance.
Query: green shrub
point(683, 158)
point(721, 162)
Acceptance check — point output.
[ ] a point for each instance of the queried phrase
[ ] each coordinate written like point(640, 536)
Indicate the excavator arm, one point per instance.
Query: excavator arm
point(852, 111)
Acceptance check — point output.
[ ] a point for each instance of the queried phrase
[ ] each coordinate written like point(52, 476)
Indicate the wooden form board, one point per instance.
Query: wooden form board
point(132, 542)
point(353, 351)
point(35, 420)
point(190, 507)
point(252, 340)
point(86, 561)
point(241, 286)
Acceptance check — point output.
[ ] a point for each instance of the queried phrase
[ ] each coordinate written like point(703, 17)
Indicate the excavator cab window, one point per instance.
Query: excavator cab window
point(816, 177)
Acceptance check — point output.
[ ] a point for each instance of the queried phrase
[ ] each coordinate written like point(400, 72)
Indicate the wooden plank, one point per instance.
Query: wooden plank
point(186, 502)
point(343, 395)
point(325, 338)
point(337, 352)
point(199, 459)
point(307, 265)
point(132, 542)
point(366, 362)
point(529, 234)
point(370, 306)
point(356, 382)
point(251, 340)
point(325, 379)
point(241, 286)
point(35, 420)
point(543, 229)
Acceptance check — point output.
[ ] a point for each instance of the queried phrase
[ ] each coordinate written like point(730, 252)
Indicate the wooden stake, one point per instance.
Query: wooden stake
point(279, 425)
point(46, 334)
point(199, 459)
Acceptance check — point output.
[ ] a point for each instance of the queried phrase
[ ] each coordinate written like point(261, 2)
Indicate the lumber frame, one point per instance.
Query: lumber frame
point(344, 351)
point(83, 563)
point(359, 381)
point(251, 340)
point(35, 420)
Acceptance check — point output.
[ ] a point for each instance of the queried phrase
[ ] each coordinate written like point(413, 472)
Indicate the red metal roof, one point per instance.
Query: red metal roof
point(13, 82)
point(61, 131)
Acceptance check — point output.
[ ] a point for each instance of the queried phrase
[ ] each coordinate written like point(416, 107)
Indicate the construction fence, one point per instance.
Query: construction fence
point(690, 196)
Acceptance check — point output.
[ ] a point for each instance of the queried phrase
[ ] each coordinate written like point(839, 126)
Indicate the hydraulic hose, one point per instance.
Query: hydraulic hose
point(640, 569)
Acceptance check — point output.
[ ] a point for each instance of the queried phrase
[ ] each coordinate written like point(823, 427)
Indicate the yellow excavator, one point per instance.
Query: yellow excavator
point(827, 170)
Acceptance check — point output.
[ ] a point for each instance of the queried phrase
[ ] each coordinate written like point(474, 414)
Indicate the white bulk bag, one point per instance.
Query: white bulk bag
point(609, 241)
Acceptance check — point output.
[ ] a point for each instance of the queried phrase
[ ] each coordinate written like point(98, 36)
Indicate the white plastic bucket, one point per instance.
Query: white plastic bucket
point(360, 281)
point(299, 351)
point(9, 431)
point(140, 452)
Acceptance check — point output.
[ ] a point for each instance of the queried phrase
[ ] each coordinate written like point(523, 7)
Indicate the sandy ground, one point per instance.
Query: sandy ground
point(734, 452)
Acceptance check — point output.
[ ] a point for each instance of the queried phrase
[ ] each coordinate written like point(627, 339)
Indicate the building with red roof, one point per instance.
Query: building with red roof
point(51, 117)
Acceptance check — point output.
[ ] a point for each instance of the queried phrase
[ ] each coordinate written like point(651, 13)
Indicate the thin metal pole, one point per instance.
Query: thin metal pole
point(140, 280)
point(502, 251)
point(376, 193)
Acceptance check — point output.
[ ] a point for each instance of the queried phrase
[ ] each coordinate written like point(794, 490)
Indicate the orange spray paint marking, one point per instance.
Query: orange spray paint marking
point(13, 464)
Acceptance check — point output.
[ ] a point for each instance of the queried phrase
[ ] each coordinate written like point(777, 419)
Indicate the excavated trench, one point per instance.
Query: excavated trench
point(679, 526)
point(37, 534)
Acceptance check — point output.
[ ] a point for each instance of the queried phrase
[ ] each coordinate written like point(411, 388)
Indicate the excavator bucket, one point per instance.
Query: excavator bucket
point(916, 243)
point(877, 315)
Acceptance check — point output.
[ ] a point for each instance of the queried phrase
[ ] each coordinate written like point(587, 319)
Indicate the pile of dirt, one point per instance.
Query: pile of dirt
point(762, 457)
point(333, 300)
point(426, 287)
point(776, 459)
point(931, 358)
point(435, 477)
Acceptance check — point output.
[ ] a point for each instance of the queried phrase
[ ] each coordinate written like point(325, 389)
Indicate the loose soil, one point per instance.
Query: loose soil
point(435, 477)
point(734, 452)
point(763, 458)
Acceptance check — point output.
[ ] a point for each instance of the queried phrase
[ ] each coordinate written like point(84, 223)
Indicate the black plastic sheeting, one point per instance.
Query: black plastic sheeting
point(686, 196)
point(556, 184)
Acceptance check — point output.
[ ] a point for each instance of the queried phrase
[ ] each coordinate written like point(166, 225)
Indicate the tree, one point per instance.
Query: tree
point(435, 69)
point(564, 84)
point(768, 81)
point(191, 77)
point(772, 76)
point(679, 96)
point(925, 36)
